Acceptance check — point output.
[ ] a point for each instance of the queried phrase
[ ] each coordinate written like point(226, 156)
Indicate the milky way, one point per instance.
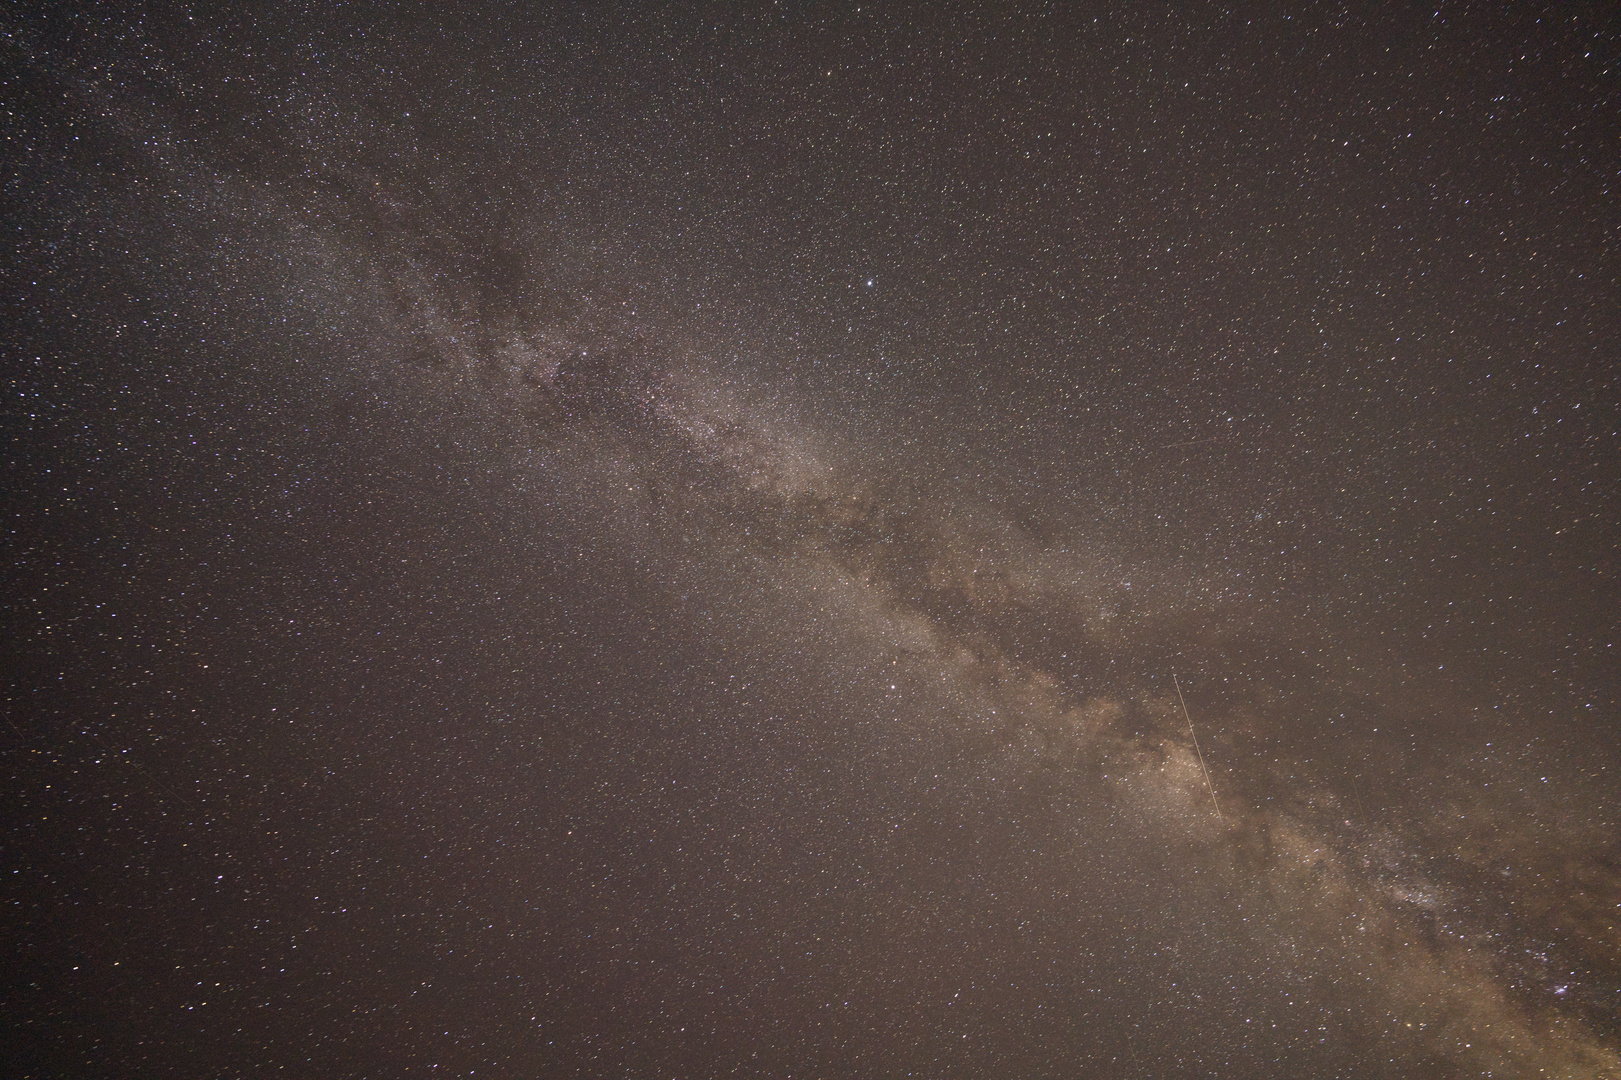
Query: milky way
point(814, 543)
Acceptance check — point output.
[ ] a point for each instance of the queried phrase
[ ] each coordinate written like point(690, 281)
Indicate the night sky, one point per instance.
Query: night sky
point(811, 540)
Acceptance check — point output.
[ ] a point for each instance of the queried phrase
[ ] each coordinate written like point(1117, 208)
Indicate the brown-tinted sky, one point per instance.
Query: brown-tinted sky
point(664, 540)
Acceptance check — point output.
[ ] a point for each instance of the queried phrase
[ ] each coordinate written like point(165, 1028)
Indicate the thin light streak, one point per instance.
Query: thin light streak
point(1196, 749)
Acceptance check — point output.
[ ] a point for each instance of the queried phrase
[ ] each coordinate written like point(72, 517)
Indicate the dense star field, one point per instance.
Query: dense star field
point(812, 540)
